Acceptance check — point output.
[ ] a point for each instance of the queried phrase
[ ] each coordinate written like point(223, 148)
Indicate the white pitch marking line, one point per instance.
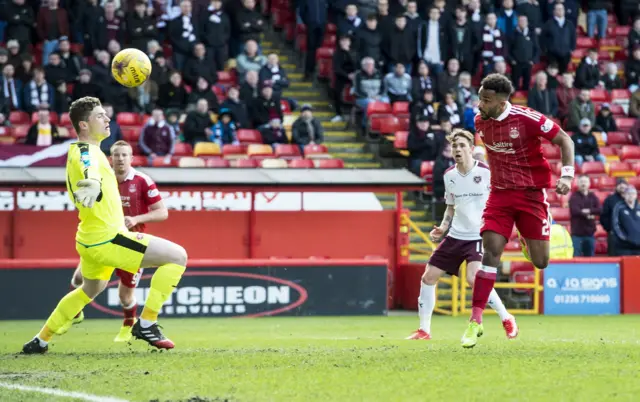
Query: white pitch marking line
point(64, 394)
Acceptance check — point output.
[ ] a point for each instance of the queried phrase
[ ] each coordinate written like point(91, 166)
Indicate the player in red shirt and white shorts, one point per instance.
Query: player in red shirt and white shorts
point(520, 175)
point(141, 203)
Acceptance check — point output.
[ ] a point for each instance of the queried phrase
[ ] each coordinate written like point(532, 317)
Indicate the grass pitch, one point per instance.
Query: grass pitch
point(334, 359)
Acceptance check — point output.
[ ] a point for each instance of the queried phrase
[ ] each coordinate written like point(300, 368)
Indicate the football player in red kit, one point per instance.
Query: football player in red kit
point(141, 204)
point(520, 175)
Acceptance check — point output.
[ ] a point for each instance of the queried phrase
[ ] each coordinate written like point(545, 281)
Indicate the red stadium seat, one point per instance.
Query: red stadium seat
point(619, 138)
point(315, 149)
point(20, 131)
point(608, 151)
point(128, 119)
point(246, 136)
point(329, 164)
point(621, 169)
point(303, 163)
point(616, 109)
point(287, 151)
point(259, 151)
point(561, 214)
point(182, 149)
point(586, 43)
point(247, 163)
point(601, 247)
point(625, 123)
point(600, 95)
point(17, 117)
point(401, 140)
point(592, 168)
point(285, 107)
point(400, 108)
point(216, 163)
point(324, 60)
point(622, 30)
point(603, 183)
point(376, 121)
point(226, 78)
point(602, 195)
point(375, 107)
point(630, 153)
point(53, 117)
point(331, 28)
point(329, 41)
point(634, 181)
point(610, 44)
point(389, 125)
point(426, 170)
point(161, 161)
point(234, 151)
point(65, 121)
point(604, 55)
point(522, 272)
point(131, 134)
point(139, 161)
point(220, 92)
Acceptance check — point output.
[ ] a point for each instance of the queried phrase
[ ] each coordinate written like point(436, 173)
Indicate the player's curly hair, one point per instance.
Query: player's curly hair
point(498, 83)
point(80, 110)
point(467, 135)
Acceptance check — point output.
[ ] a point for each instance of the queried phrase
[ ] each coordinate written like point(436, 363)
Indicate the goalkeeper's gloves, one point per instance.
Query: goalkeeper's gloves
point(88, 192)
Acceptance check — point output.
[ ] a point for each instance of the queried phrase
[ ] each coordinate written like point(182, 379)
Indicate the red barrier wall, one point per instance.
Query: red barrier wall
point(630, 273)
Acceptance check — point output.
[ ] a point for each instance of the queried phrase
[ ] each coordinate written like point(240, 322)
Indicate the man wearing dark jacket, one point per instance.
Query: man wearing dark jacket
point(72, 62)
point(237, 108)
point(585, 207)
point(157, 138)
point(523, 53)
point(197, 125)
point(531, 9)
point(141, 28)
point(423, 144)
point(606, 217)
point(626, 224)
point(273, 133)
point(53, 22)
point(368, 40)
point(350, 22)
point(306, 129)
point(200, 66)
point(542, 98)
point(344, 67)
point(91, 21)
point(559, 38)
point(314, 16)
point(248, 25)
point(216, 32)
point(399, 46)
point(433, 42)
point(265, 107)
point(273, 75)
point(464, 40)
point(20, 21)
point(183, 35)
point(588, 73)
point(586, 144)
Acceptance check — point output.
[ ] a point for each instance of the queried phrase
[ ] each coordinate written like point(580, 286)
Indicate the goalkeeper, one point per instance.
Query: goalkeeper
point(102, 240)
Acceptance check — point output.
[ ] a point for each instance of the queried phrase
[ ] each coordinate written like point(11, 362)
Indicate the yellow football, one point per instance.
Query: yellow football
point(131, 67)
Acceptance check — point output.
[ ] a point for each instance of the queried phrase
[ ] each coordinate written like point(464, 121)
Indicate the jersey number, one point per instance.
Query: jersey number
point(545, 227)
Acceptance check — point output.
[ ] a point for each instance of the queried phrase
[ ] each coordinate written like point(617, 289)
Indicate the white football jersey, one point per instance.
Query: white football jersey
point(468, 194)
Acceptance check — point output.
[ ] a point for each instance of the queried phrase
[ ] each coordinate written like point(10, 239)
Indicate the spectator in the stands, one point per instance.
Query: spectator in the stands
point(634, 36)
point(4, 57)
point(542, 98)
point(20, 22)
point(71, 61)
point(448, 79)
point(216, 33)
point(464, 90)
point(53, 22)
point(344, 68)
point(470, 112)
point(306, 130)
point(62, 99)
point(500, 67)
point(566, 93)
point(89, 19)
point(25, 71)
point(157, 138)
point(475, 15)
point(173, 94)
point(588, 73)
point(265, 107)
point(531, 9)
point(55, 71)
point(571, 10)
point(507, 19)
point(552, 76)
point(368, 86)
point(385, 18)
point(584, 207)
point(160, 70)
point(11, 87)
point(110, 26)
point(153, 49)
point(632, 69)
point(398, 84)
point(610, 79)
point(597, 17)
point(586, 144)
point(423, 143)
point(43, 133)
point(558, 38)
point(197, 125)
point(422, 82)
point(433, 42)
point(145, 97)
point(114, 128)
point(174, 119)
point(250, 88)
point(113, 48)
point(399, 45)
point(348, 24)
point(448, 110)
point(626, 224)
point(183, 34)
point(5, 111)
point(15, 53)
point(200, 65)
point(605, 122)
point(446, 14)
point(398, 7)
point(247, 25)
point(492, 44)
point(368, 40)
point(86, 86)
point(580, 108)
point(424, 106)
point(273, 133)
point(443, 162)
point(238, 109)
point(101, 70)
point(465, 41)
point(413, 17)
point(38, 92)
point(202, 90)
point(606, 216)
point(224, 130)
point(314, 16)
point(524, 52)
point(141, 27)
point(635, 132)
point(634, 104)
point(274, 75)
point(250, 60)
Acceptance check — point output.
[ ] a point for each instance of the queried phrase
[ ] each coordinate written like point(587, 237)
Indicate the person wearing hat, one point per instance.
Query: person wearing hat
point(606, 216)
point(224, 130)
point(306, 130)
point(273, 133)
point(53, 22)
point(586, 144)
point(605, 122)
point(626, 224)
point(423, 143)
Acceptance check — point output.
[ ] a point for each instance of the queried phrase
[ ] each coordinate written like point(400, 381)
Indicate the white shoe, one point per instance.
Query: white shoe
point(510, 327)
point(337, 119)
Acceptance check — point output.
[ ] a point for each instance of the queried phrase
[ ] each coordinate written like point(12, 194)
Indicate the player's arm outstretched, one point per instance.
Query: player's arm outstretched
point(562, 139)
point(89, 189)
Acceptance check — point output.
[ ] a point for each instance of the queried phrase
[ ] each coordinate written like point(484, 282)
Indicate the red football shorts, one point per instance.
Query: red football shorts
point(527, 209)
point(127, 279)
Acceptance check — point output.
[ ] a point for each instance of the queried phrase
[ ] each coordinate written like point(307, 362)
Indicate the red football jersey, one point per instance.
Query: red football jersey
point(514, 147)
point(138, 192)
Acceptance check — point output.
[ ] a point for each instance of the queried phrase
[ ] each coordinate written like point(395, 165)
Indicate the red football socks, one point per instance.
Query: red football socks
point(485, 278)
point(130, 315)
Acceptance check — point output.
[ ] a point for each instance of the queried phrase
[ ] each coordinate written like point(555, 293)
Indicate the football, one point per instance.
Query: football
point(131, 67)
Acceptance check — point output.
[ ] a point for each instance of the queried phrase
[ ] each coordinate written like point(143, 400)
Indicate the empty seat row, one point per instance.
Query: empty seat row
point(191, 161)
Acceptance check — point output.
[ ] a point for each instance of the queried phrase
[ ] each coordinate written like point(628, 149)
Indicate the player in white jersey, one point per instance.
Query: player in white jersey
point(466, 192)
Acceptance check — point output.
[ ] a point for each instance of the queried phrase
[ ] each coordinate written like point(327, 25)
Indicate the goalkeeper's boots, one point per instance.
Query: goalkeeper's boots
point(33, 347)
point(471, 335)
point(75, 320)
point(152, 335)
point(124, 335)
point(419, 335)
